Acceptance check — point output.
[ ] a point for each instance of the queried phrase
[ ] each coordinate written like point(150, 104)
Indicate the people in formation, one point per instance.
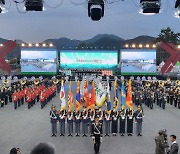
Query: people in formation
point(28, 93)
point(76, 123)
point(157, 92)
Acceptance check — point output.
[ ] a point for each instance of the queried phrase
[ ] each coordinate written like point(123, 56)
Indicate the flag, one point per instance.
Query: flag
point(116, 98)
point(123, 95)
point(70, 99)
point(100, 95)
point(108, 99)
point(78, 97)
point(129, 96)
point(86, 95)
point(93, 97)
point(62, 97)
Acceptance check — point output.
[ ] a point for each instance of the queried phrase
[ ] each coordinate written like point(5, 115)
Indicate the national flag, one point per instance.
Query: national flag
point(129, 102)
point(70, 99)
point(123, 95)
point(78, 97)
point(100, 95)
point(62, 97)
point(93, 97)
point(116, 97)
point(86, 95)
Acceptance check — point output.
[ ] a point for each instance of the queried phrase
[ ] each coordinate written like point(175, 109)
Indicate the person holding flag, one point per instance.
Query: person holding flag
point(108, 99)
point(62, 97)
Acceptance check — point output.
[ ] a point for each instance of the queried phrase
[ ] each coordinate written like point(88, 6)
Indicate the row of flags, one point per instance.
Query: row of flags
point(96, 97)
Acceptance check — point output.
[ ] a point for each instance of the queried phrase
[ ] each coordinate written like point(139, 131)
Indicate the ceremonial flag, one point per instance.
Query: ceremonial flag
point(62, 97)
point(123, 95)
point(93, 97)
point(129, 96)
point(100, 95)
point(78, 97)
point(70, 99)
point(108, 100)
point(86, 95)
point(116, 98)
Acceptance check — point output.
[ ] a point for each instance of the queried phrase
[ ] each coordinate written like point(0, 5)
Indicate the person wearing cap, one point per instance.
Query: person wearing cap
point(77, 121)
point(62, 118)
point(84, 123)
point(107, 120)
point(97, 134)
point(161, 145)
point(70, 119)
point(53, 118)
point(139, 119)
point(174, 146)
point(122, 121)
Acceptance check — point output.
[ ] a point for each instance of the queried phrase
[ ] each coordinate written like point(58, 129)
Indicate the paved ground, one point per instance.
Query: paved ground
point(25, 128)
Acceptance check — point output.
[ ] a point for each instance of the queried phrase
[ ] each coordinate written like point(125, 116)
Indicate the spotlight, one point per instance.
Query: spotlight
point(178, 46)
point(2, 9)
point(154, 45)
point(37, 44)
point(34, 5)
point(147, 46)
point(30, 44)
point(127, 45)
point(133, 46)
point(1, 45)
point(96, 9)
point(22, 45)
point(177, 9)
point(150, 6)
point(51, 45)
point(140, 45)
point(44, 45)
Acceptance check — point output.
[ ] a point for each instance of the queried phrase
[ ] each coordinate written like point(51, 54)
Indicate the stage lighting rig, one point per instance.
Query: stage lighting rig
point(34, 5)
point(96, 9)
point(150, 6)
point(2, 9)
point(177, 9)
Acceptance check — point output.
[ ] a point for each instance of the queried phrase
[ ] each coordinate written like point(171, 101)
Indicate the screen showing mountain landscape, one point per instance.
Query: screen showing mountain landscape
point(38, 61)
point(138, 61)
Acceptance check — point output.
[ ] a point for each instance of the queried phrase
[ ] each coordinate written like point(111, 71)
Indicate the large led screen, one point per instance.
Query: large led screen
point(138, 62)
point(38, 61)
point(88, 59)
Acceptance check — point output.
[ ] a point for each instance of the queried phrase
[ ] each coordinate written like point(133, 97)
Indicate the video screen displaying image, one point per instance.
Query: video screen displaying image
point(38, 61)
point(138, 61)
point(84, 59)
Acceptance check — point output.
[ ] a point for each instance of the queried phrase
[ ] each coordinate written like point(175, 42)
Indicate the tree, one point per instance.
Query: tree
point(166, 35)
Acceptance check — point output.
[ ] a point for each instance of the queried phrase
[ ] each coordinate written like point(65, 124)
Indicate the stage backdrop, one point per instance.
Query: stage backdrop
point(39, 61)
point(138, 61)
point(88, 59)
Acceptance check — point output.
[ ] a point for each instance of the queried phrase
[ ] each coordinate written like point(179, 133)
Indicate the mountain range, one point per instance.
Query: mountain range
point(100, 41)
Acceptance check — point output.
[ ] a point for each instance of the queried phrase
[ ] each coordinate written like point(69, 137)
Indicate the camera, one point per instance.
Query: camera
point(96, 9)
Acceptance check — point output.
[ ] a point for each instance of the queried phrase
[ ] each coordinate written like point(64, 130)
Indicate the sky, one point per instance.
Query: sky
point(72, 21)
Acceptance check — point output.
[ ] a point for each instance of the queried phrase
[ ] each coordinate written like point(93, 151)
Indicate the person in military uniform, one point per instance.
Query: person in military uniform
point(77, 120)
point(91, 120)
point(161, 145)
point(122, 121)
point(114, 126)
point(85, 118)
point(70, 119)
point(62, 118)
point(130, 116)
point(139, 119)
point(53, 117)
point(107, 120)
point(97, 134)
point(164, 100)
